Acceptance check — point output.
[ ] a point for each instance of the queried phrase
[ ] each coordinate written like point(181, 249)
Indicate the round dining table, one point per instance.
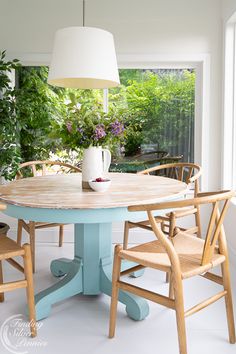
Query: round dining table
point(61, 199)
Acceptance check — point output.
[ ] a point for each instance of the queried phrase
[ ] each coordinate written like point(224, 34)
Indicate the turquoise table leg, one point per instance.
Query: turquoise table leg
point(70, 285)
point(60, 267)
point(138, 273)
point(136, 307)
point(89, 273)
point(128, 264)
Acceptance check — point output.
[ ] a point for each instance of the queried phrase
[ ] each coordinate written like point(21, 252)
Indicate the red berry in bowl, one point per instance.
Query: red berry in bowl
point(99, 179)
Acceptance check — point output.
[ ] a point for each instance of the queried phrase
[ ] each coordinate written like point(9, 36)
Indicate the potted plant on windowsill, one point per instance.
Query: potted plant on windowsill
point(9, 129)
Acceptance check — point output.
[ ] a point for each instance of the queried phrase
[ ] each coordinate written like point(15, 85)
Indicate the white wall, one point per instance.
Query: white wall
point(228, 9)
point(154, 27)
point(151, 27)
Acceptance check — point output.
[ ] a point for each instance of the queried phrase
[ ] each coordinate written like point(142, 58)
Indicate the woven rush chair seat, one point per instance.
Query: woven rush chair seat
point(10, 248)
point(188, 247)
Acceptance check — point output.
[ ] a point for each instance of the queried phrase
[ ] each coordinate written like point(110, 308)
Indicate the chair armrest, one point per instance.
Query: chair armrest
point(206, 194)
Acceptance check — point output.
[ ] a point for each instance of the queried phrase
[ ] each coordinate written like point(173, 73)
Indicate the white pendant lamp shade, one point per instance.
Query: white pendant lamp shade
point(83, 57)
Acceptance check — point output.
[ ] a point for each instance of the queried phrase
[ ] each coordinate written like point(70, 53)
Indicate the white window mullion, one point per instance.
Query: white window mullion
point(228, 157)
point(105, 100)
point(234, 114)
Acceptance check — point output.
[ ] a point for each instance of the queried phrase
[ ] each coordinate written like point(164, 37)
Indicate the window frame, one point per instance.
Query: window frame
point(229, 107)
point(199, 62)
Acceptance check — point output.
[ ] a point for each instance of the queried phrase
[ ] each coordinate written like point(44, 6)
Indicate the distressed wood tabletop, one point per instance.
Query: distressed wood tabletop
point(65, 191)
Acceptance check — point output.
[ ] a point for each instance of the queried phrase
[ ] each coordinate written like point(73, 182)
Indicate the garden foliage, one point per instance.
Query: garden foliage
point(9, 127)
point(149, 108)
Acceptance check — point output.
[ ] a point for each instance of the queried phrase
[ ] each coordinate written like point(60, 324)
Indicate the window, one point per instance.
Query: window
point(159, 105)
point(202, 67)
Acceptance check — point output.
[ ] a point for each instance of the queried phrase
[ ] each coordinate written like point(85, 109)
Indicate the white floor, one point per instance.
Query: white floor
point(80, 324)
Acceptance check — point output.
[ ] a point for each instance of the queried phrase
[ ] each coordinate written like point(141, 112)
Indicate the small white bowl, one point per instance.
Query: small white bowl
point(100, 186)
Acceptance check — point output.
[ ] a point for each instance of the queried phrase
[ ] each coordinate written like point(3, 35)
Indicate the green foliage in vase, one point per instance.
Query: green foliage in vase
point(86, 123)
point(9, 128)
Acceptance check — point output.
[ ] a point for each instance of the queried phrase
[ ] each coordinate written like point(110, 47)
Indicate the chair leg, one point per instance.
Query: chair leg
point(115, 291)
point(126, 235)
point(167, 277)
point(30, 289)
point(179, 308)
point(171, 287)
point(162, 226)
point(228, 301)
point(32, 242)
point(198, 222)
point(61, 235)
point(19, 232)
point(172, 225)
point(1, 282)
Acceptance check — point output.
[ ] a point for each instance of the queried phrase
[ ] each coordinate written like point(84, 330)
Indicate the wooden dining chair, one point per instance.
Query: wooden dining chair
point(41, 168)
point(182, 171)
point(183, 256)
point(8, 250)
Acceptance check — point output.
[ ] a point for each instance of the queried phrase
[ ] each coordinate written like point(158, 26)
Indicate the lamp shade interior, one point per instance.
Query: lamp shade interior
point(83, 57)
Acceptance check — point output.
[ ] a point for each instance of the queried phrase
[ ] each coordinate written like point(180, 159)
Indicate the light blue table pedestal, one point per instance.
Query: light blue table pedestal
point(70, 285)
point(89, 273)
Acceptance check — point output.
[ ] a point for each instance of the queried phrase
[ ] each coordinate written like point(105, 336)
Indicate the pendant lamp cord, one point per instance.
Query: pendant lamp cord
point(83, 13)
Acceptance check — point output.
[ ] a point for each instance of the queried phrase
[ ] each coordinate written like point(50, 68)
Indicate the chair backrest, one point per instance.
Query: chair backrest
point(215, 230)
point(153, 155)
point(183, 171)
point(45, 167)
point(171, 159)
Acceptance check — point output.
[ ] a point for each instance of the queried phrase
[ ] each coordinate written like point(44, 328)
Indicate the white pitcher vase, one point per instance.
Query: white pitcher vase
point(96, 162)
